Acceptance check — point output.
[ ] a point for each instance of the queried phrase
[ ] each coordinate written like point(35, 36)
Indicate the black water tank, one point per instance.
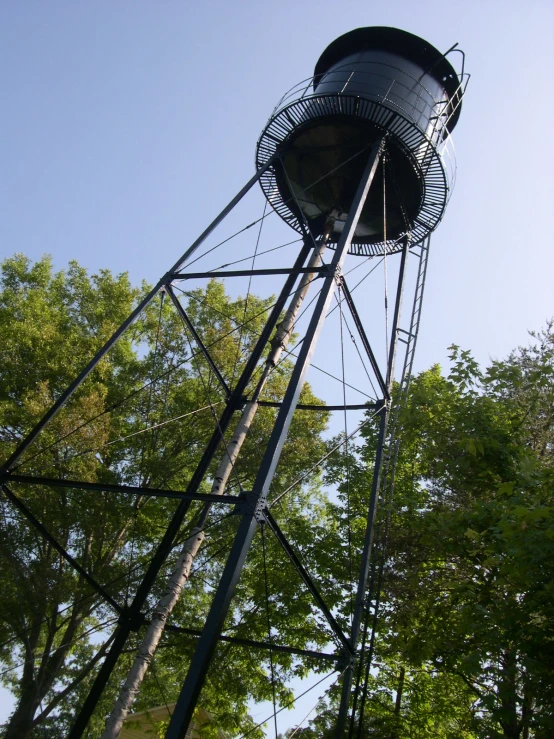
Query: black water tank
point(401, 70)
point(369, 82)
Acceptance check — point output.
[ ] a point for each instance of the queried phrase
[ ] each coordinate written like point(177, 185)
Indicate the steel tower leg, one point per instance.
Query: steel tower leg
point(372, 509)
point(389, 467)
point(253, 510)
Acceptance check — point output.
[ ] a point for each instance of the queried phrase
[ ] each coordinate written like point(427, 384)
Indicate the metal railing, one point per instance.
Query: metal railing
point(413, 101)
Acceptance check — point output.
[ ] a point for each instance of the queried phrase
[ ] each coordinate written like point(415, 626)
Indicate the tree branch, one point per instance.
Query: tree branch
point(470, 685)
point(80, 677)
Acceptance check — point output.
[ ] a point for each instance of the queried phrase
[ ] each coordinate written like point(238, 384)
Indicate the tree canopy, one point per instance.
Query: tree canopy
point(465, 638)
point(463, 645)
point(141, 418)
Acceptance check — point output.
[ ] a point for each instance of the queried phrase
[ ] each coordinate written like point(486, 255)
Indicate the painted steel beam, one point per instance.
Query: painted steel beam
point(101, 487)
point(245, 273)
point(239, 641)
point(22, 508)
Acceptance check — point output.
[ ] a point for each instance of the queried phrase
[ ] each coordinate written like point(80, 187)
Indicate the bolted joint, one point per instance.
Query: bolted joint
point(345, 660)
point(238, 402)
point(260, 511)
point(133, 619)
point(384, 404)
point(249, 504)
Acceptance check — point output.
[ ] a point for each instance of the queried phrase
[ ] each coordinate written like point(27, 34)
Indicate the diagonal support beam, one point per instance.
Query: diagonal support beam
point(22, 508)
point(308, 581)
point(81, 377)
point(101, 487)
point(188, 323)
point(363, 337)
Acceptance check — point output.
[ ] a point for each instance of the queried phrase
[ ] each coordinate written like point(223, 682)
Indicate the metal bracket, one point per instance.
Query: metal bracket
point(261, 511)
point(249, 504)
point(345, 659)
point(131, 618)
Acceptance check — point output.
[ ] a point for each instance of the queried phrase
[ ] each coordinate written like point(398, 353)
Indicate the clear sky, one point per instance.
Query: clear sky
point(128, 125)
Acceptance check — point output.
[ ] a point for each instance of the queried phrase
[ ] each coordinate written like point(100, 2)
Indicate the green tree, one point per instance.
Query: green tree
point(142, 418)
point(478, 547)
point(465, 640)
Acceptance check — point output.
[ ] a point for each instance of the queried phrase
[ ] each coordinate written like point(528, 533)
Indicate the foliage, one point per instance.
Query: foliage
point(464, 643)
point(142, 417)
point(465, 639)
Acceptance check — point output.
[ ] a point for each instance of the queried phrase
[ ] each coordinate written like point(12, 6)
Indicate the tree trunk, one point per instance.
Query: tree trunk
point(507, 690)
point(526, 711)
point(398, 703)
point(21, 721)
point(37, 682)
point(181, 572)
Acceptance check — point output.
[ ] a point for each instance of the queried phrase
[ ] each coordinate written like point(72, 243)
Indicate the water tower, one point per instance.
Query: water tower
point(358, 160)
point(369, 84)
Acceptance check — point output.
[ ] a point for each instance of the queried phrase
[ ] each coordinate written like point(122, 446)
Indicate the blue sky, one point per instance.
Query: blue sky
point(128, 125)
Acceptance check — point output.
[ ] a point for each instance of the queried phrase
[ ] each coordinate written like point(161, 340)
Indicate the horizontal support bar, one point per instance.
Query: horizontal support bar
point(246, 273)
point(308, 407)
point(256, 644)
point(101, 487)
